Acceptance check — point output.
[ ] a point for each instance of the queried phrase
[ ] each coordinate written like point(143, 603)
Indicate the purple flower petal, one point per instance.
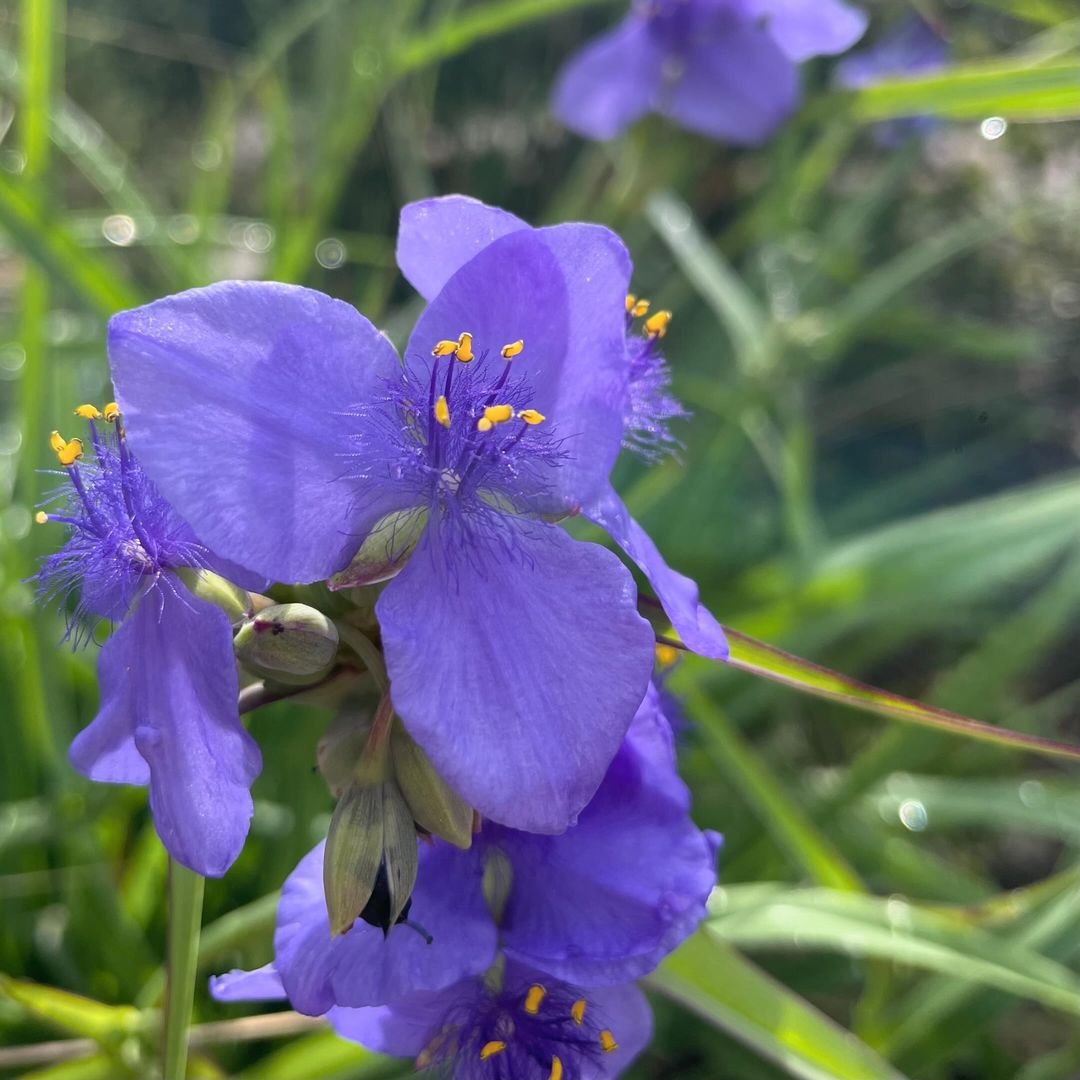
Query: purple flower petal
point(612, 82)
point(736, 84)
point(179, 693)
point(679, 595)
point(562, 292)
point(361, 967)
point(236, 398)
point(628, 1016)
point(262, 984)
point(607, 900)
point(400, 1030)
point(437, 237)
point(806, 28)
point(518, 666)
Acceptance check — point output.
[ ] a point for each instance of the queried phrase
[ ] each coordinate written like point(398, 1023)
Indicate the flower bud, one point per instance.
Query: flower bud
point(370, 862)
point(235, 602)
point(383, 554)
point(340, 748)
point(435, 806)
point(290, 643)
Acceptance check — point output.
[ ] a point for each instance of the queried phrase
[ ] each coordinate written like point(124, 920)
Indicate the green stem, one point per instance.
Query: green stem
point(368, 652)
point(185, 923)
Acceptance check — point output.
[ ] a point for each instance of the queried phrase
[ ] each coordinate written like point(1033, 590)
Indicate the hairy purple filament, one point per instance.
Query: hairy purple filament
point(524, 1032)
point(123, 536)
point(650, 405)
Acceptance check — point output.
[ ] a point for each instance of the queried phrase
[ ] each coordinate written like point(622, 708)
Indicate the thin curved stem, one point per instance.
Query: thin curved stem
point(185, 924)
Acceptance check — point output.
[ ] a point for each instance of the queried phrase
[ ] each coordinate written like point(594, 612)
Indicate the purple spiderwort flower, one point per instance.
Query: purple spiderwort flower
point(507, 414)
point(723, 68)
point(168, 714)
point(515, 1023)
point(600, 905)
point(912, 48)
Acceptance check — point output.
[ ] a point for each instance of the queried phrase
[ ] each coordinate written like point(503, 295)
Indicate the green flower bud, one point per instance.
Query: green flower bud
point(383, 554)
point(237, 603)
point(497, 882)
point(435, 806)
point(289, 643)
point(370, 862)
point(340, 748)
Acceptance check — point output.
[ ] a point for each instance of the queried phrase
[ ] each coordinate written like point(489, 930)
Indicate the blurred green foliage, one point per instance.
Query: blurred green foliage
point(881, 348)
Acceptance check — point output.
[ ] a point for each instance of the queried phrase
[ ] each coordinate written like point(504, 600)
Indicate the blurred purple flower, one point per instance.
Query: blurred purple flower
point(506, 415)
point(168, 714)
point(723, 68)
point(913, 48)
point(600, 905)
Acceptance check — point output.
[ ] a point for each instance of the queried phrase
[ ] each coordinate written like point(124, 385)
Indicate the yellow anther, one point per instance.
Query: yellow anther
point(490, 1049)
point(513, 349)
point(556, 1069)
point(442, 412)
point(112, 412)
point(640, 308)
point(88, 412)
point(499, 414)
point(531, 417)
point(577, 1011)
point(656, 325)
point(444, 348)
point(67, 451)
point(464, 348)
point(666, 655)
point(607, 1042)
point(631, 300)
point(534, 999)
point(484, 424)
point(41, 517)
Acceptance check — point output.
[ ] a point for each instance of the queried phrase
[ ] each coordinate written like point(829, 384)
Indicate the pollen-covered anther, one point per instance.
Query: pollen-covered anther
point(556, 1069)
point(442, 411)
point(111, 412)
point(534, 999)
point(513, 349)
point(607, 1042)
point(464, 348)
point(67, 451)
point(88, 412)
point(494, 414)
point(631, 300)
point(656, 325)
point(666, 655)
point(577, 1011)
point(531, 417)
point(641, 308)
point(444, 348)
point(41, 517)
point(490, 1049)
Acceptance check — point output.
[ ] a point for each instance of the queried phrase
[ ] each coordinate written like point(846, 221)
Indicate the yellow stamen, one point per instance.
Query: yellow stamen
point(640, 308)
point(607, 1042)
point(577, 1011)
point(513, 349)
point(70, 452)
point(490, 1049)
point(499, 414)
point(666, 655)
point(88, 412)
point(656, 325)
point(484, 424)
point(444, 348)
point(442, 412)
point(531, 417)
point(464, 348)
point(112, 412)
point(534, 998)
point(57, 442)
point(41, 517)
point(556, 1069)
point(631, 300)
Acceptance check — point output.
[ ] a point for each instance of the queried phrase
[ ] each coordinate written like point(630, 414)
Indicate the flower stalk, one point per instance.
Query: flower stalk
point(185, 924)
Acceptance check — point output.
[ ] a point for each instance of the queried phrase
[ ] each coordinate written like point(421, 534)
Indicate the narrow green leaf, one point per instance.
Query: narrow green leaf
point(1015, 89)
point(783, 817)
point(52, 248)
point(1044, 12)
point(714, 981)
point(766, 916)
point(321, 1056)
point(757, 658)
point(71, 1012)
